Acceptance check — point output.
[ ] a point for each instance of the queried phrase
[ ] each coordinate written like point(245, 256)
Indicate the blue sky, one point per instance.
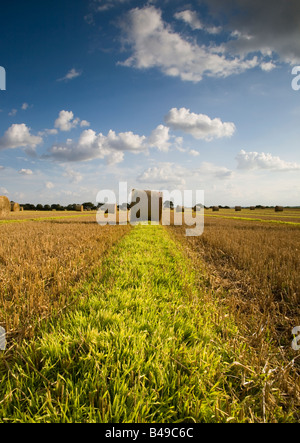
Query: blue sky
point(161, 94)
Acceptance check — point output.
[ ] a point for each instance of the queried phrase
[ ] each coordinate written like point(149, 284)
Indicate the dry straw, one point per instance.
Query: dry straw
point(14, 207)
point(4, 206)
point(145, 212)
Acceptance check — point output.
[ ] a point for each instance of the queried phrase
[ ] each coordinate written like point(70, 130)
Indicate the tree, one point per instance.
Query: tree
point(168, 204)
point(89, 205)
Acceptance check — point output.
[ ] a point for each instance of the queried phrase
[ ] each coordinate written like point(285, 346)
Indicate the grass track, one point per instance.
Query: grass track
point(141, 346)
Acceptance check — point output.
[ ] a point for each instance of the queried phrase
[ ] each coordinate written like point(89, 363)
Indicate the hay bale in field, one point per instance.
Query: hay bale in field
point(4, 206)
point(79, 208)
point(279, 209)
point(238, 209)
point(14, 207)
point(180, 209)
point(109, 208)
point(146, 206)
point(252, 208)
point(216, 209)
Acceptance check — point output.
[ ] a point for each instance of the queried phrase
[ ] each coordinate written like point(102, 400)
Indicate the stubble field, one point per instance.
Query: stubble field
point(236, 301)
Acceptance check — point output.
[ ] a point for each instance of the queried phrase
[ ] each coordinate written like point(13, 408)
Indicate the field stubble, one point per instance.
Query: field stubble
point(41, 263)
point(258, 266)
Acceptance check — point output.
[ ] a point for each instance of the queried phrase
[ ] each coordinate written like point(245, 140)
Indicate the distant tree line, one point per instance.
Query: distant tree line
point(88, 206)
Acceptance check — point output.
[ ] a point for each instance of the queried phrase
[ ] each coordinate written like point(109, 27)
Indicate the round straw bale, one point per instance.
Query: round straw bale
point(279, 209)
point(14, 207)
point(150, 205)
point(4, 206)
point(216, 209)
point(238, 208)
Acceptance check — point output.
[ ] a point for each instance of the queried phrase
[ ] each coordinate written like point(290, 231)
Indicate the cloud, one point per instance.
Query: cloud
point(65, 121)
point(268, 66)
point(73, 176)
point(49, 185)
point(19, 136)
point(73, 73)
point(261, 27)
point(209, 169)
point(84, 123)
point(166, 173)
point(155, 45)
point(25, 172)
point(159, 138)
point(92, 146)
point(200, 126)
point(48, 132)
point(177, 175)
point(25, 106)
point(13, 113)
point(111, 147)
point(255, 160)
point(106, 5)
point(191, 18)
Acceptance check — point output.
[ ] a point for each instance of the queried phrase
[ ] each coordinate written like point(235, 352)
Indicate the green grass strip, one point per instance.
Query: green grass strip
point(280, 222)
point(141, 346)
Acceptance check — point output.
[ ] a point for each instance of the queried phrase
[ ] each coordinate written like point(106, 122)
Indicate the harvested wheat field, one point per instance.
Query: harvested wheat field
point(142, 324)
point(42, 262)
point(255, 269)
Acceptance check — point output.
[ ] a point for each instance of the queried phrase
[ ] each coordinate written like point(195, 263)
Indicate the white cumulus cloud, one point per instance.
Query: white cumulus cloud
point(159, 138)
point(65, 121)
point(154, 44)
point(255, 160)
point(200, 126)
point(25, 172)
point(19, 136)
point(91, 145)
point(73, 73)
point(191, 18)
